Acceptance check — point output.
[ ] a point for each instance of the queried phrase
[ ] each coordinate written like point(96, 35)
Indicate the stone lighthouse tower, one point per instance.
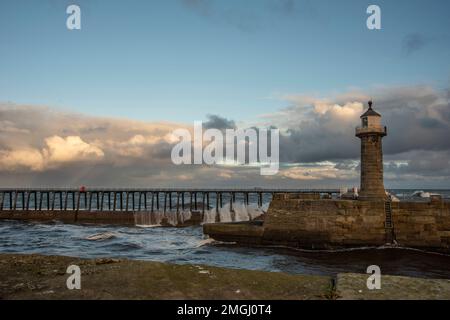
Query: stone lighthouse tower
point(371, 133)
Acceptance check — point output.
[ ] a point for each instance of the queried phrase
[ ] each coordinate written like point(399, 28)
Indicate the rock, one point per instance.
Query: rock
point(106, 261)
point(351, 286)
point(48, 292)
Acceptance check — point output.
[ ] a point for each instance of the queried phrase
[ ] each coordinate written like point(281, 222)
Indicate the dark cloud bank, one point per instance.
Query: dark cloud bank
point(40, 146)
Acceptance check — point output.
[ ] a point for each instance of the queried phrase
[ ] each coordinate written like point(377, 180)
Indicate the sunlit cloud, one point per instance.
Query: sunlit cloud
point(317, 144)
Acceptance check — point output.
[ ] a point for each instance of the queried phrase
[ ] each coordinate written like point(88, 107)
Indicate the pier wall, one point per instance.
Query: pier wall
point(69, 216)
point(322, 224)
point(94, 217)
point(425, 224)
point(348, 223)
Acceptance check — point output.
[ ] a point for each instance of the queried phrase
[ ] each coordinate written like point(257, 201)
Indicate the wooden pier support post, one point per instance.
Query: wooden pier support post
point(15, 200)
point(2, 199)
point(153, 200)
point(165, 201)
point(66, 199)
point(217, 202)
point(73, 200)
point(145, 200)
point(207, 200)
point(178, 202)
point(102, 198)
point(28, 201)
point(182, 200)
point(41, 196)
point(157, 201)
point(35, 200)
point(115, 200)
point(30, 194)
point(78, 201)
point(90, 201)
point(190, 202)
point(127, 194)
point(195, 201)
point(231, 201)
point(140, 200)
point(23, 200)
point(60, 200)
point(170, 201)
point(203, 202)
point(53, 200)
point(47, 198)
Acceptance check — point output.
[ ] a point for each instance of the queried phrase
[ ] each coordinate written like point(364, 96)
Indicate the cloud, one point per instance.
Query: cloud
point(318, 129)
point(320, 171)
point(63, 137)
point(24, 158)
point(414, 42)
point(253, 17)
point(9, 127)
point(71, 148)
point(293, 8)
point(203, 7)
point(45, 147)
point(218, 122)
point(286, 7)
point(318, 147)
point(58, 150)
point(225, 13)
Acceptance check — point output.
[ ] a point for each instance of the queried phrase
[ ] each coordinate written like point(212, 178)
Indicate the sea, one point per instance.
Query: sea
point(189, 246)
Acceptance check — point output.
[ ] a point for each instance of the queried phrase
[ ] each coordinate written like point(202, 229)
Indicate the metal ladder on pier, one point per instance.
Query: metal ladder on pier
point(389, 224)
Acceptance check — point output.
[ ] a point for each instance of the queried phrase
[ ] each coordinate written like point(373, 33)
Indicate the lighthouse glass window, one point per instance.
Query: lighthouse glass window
point(365, 122)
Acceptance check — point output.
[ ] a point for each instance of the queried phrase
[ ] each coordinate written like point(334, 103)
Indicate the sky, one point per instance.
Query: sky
point(107, 96)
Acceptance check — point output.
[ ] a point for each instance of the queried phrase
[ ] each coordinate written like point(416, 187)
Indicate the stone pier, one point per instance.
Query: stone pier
point(331, 224)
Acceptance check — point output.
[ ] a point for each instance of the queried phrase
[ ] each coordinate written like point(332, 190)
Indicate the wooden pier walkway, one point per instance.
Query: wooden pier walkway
point(134, 199)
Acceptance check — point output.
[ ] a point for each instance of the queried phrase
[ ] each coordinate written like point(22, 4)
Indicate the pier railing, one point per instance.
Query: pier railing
point(136, 199)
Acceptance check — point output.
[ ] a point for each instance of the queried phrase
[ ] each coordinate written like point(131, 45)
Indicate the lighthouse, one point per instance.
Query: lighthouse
point(371, 133)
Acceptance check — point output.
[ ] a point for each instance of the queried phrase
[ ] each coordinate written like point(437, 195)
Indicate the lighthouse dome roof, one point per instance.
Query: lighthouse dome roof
point(370, 112)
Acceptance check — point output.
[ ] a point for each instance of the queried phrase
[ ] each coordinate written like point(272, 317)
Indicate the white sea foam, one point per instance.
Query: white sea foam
point(383, 247)
point(101, 236)
point(236, 212)
point(205, 242)
point(421, 194)
point(148, 225)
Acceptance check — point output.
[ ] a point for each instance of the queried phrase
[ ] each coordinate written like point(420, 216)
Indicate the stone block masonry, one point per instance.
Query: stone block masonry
point(422, 225)
point(324, 224)
point(372, 186)
point(349, 223)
